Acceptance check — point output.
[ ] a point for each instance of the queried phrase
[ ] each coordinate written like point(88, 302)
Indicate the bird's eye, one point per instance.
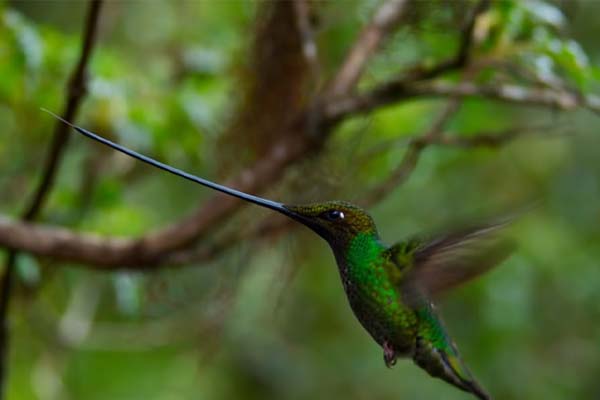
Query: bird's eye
point(333, 215)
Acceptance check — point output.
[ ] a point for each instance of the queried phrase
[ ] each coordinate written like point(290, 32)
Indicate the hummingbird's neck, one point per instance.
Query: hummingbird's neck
point(359, 251)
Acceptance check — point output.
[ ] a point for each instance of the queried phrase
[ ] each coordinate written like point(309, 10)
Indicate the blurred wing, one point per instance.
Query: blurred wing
point(433, 267)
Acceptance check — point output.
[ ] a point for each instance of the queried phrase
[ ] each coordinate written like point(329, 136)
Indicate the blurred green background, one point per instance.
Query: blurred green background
point(268, 318)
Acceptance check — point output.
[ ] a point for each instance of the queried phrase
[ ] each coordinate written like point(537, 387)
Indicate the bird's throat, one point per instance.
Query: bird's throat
point(362, 251)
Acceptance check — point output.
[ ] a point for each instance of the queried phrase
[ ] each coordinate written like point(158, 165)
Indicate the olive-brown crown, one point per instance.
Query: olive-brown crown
point(335, 221)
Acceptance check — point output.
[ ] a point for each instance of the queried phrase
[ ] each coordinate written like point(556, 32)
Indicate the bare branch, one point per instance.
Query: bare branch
point(148, 251)
point(103, 253)
point(58, 243)
point(463, 55)
point(419, 73)
point(563, 100)
point(383, 23)
point(436, 137)
point(412, 155)
point(76, 89)
point(287, 143)
point(390, 93)
point(490, 140)
point(254, 179)
point(106, 253)
point(417, 145)
point(293, 144)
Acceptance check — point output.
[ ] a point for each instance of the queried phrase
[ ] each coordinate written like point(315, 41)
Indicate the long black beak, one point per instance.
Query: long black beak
point(273, 205)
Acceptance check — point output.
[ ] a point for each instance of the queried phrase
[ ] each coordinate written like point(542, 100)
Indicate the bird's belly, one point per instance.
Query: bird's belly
point(383, 315)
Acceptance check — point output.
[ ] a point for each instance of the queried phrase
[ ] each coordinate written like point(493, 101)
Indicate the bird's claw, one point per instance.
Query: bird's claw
point(389, 355)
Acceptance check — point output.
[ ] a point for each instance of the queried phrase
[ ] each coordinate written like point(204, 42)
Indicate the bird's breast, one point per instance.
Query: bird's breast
point(378, 306)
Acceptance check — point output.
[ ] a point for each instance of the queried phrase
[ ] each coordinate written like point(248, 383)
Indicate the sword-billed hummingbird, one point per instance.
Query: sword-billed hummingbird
point(389, 288)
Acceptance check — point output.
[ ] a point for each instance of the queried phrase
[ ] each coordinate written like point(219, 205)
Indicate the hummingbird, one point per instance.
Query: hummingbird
point(390, 289)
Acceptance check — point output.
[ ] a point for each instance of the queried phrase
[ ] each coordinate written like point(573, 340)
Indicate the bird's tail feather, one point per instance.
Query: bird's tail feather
point(448, 367)
point(437, 354)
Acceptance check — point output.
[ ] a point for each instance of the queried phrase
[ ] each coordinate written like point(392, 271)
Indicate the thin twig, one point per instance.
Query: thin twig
point(412, 155)
point(489, 140)
point(334, 110)
point(385, 95)
point(417, 145)
point(382, 24)
point(75, 91)
point(481, 139)
point(462, 56)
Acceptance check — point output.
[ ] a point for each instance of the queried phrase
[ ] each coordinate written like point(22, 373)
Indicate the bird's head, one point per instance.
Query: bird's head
point(335, 221)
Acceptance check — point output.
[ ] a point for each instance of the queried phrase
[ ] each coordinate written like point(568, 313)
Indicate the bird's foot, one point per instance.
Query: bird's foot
point(389, 355)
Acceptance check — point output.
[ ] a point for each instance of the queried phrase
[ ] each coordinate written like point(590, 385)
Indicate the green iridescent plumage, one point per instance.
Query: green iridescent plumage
point(389, 288)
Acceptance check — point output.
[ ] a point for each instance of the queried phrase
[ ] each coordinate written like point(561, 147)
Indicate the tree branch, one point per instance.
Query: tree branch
point(489, 140)
point(291, 146)
point(288, 145)
point(147, 251)
point(458, 61)
point(420, 73)
point(155, 249)
point(412, 155)
point(435, 136)
point(65, 245)
point(382, 24)
point(76, 89)
point(390, 93)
